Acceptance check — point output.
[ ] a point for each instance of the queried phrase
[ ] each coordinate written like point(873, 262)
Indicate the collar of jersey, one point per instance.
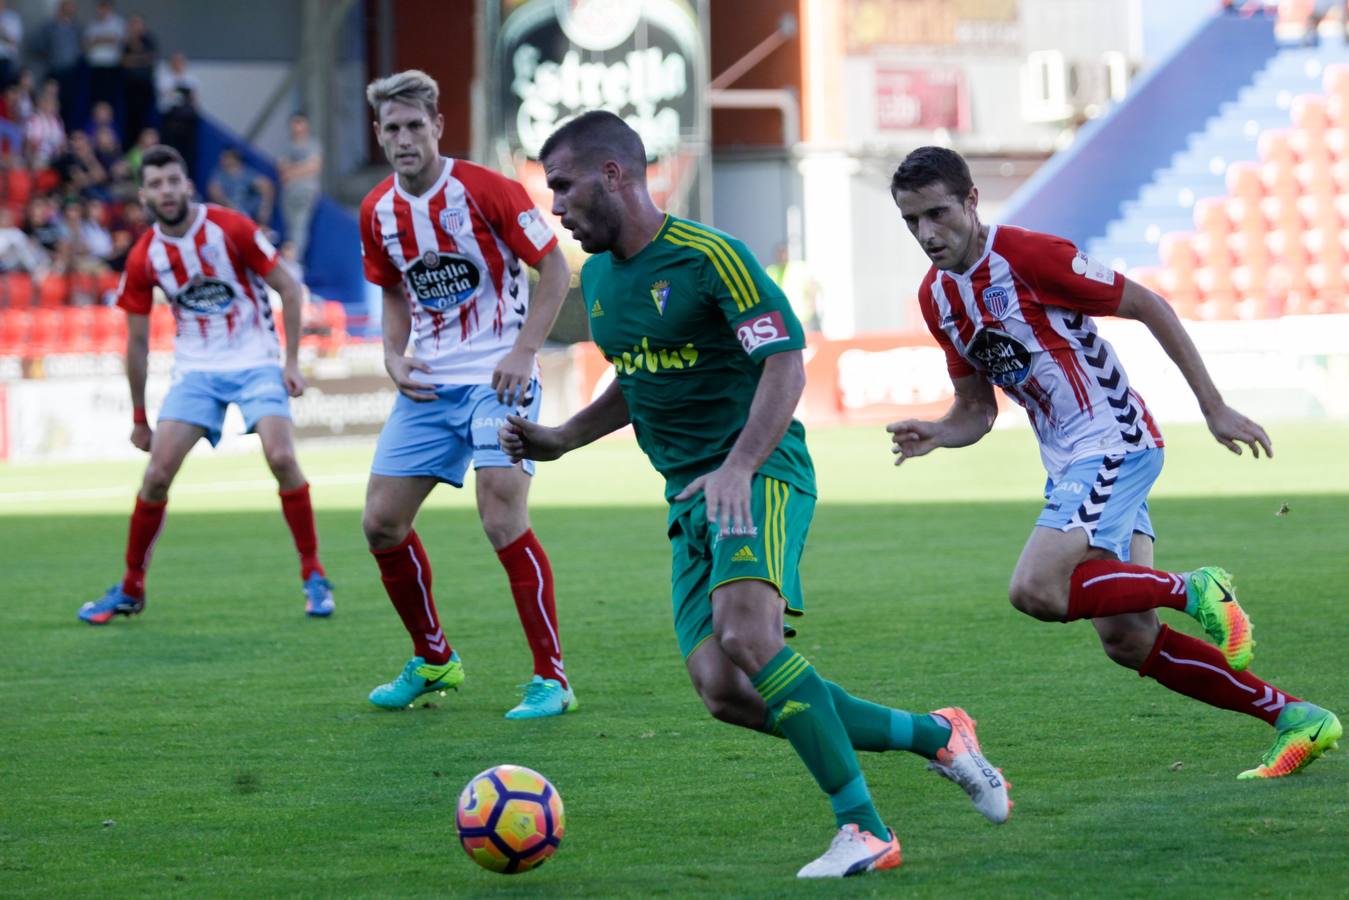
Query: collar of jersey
point(191, 230)
point(445, 166)
point(664, 226)
point(988, 248)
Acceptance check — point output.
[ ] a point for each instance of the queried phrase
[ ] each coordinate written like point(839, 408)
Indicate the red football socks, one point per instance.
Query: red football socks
point(147, 520)
point(406, 573)
point(299, 513)
point(1191, 667)
point(532, 586)
point(1108, 587)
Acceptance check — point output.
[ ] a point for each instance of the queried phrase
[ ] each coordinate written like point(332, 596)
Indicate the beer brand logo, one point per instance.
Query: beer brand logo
point(206, 296)
point(440, 281)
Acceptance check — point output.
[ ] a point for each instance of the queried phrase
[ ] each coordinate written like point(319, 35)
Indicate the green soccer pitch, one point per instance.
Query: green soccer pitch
point(221, 744)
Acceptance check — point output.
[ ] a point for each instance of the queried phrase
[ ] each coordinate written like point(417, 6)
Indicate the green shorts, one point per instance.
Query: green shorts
point(703, 560)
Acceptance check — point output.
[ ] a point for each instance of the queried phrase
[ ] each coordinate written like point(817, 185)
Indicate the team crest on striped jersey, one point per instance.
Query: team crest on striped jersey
point(451, 220)
point(660, 292)
point(996, 301)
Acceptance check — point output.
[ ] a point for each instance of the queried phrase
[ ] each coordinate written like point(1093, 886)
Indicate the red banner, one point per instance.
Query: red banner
point(920, 98)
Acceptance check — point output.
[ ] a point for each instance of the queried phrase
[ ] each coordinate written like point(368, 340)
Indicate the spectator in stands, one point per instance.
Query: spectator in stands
point(178, 123)
point(11, 42)
point(61, 44)
point(18, 252)
point(42, 224)
point(140, 53)
point(101, 116)
point(149, 137)
point(301, 168)
point(19, 98)
point(44, 135)
point(176, 83)
point(104, 38)
point(125, 230)
point(85, 245)
point(240, 187)
point(81, 173)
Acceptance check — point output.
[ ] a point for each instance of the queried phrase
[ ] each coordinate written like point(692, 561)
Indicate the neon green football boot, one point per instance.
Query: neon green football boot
point(1306, 731)
point(418, 677)
point(1212, 601)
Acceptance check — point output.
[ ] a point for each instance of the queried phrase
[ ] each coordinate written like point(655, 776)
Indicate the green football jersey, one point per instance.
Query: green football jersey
point(687, 323)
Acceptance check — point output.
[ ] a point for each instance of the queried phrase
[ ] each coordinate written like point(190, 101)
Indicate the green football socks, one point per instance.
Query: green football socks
point(877, 728)
point(802, 710)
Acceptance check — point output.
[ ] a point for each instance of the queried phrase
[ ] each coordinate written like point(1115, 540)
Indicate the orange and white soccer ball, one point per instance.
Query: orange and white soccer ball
point(509, 819)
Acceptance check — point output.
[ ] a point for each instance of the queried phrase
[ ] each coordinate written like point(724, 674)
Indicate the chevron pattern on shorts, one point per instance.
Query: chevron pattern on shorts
point(1088, 515)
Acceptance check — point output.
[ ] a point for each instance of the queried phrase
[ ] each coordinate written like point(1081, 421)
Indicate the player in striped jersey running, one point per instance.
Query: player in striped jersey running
point(448, 241)
point(214, 266)
point(1012, 308)
point(708, 369)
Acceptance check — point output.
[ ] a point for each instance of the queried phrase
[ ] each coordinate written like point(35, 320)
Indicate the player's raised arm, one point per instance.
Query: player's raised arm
point(396, 323)
point(137, 357)
point(523, 439)
point(970, 417)
point(1229, 427)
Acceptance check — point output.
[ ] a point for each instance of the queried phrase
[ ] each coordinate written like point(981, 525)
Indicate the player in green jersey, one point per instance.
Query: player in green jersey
point(708, 369)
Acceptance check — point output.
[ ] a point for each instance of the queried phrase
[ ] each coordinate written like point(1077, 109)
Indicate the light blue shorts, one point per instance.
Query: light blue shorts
point(201, 398)
point(439, 437)
point(1105, 496)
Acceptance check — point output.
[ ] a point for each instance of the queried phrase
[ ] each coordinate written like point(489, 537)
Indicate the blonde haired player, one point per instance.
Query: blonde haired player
point(447, 241)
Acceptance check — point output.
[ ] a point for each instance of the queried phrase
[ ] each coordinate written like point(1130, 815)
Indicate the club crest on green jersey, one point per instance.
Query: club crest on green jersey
point(660, 292)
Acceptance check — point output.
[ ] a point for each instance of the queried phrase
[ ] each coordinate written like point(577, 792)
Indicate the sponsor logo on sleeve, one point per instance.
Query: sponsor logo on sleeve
point(1087, 267)
point(766, 329)
point(535, 228)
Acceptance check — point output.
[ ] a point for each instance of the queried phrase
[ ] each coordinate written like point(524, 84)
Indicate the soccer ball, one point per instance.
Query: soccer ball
point(510, 819)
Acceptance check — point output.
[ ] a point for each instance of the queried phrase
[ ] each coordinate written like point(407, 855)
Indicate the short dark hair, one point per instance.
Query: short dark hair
point(932, 165)
point(162, 155)
point(598, 135)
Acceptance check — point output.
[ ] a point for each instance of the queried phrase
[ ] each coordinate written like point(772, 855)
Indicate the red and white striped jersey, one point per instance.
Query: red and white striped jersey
point(1021, 317)
point(457, 250)
point(213, 277)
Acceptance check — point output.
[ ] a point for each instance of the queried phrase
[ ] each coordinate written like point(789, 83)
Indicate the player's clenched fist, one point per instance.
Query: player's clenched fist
point(522, 439)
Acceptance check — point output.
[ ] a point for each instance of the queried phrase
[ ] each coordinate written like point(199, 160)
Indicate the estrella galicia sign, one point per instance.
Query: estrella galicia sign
point(441, 281)
point(206, 296)
point(1005, 359)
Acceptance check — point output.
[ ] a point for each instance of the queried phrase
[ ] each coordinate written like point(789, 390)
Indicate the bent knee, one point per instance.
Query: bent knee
point(382, 532)
point(1038, 600)
point(732, 709)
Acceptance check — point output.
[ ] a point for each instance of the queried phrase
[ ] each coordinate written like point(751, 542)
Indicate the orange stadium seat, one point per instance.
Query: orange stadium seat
point(1314, 177)
point(1320, 211)
point(1213, 250)
point(1244, 179)
point(107, 284)
point(1247, 215)
point(1179, 288)
point(77, 329)
point(53, 292)
point(1177, 251)
point(45, 334)
point(1249, 249)
point(1210, 217)
point(1309, 145)
point(1275, 179)
point(162, 327)
point(1286, 248)
point(1335, 80)
point(1274, 146)
point(1309, 112)
point(18, 186)
point(15, 325)
point(107, 329)
point(18, 289)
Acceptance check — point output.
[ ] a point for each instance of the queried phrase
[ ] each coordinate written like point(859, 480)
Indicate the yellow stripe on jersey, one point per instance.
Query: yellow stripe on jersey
point(736, 263)
point(769, 533)
point(711, 254)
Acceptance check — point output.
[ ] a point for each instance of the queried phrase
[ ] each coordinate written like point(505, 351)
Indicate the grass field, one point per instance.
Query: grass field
point(221, 744)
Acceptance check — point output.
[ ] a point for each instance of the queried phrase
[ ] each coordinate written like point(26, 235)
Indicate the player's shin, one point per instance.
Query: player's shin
point(406, 573)
point(299, 515)
point(1196, 669)
point(802, 709)
point(147, 520)
point(531, 578)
